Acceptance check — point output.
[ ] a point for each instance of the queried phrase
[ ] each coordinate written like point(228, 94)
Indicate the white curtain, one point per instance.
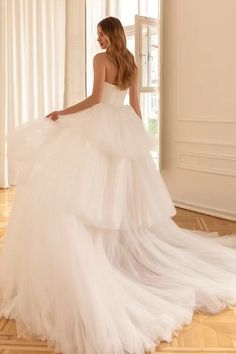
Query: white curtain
point(95, 12)
point(32, 65)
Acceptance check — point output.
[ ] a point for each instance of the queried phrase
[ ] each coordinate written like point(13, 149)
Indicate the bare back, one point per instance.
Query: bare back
point(111, 69)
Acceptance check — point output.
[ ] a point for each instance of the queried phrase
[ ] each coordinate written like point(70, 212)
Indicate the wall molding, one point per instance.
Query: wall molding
point(183, 164)
point(199, 142)
point(179, 113)
point(206, 119)
point(206, 209)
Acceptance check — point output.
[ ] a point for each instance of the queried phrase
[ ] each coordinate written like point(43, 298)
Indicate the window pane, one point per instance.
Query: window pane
point(149, 56)
point(149, 103)
point(154, 57)
point(149, 8)
point(131, 43)
point(127, 10)
point(145, 55)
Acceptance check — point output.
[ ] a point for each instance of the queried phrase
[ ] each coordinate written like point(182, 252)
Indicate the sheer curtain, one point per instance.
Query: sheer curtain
point(95, 12)
point(32, 65)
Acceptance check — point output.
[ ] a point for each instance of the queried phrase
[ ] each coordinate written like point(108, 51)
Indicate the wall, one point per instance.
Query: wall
point(199, 105)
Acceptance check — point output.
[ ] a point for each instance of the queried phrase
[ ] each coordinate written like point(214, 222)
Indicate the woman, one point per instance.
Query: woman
point(106, 68)
point(92, 260)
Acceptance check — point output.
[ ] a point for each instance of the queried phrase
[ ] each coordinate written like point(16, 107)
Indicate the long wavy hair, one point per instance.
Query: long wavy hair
point(113, 29)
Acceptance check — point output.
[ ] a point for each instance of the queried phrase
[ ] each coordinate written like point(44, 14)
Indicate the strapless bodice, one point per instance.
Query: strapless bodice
point(112, 94)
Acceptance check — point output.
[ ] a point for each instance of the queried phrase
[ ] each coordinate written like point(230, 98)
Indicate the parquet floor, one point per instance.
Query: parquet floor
point(215, 334)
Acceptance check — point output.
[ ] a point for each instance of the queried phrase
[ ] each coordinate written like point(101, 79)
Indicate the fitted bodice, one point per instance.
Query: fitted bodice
point(112, 94)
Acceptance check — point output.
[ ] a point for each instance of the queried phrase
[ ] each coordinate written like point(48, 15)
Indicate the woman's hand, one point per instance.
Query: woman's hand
point(54, 115)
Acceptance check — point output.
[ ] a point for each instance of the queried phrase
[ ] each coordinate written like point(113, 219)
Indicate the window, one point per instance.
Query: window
point(141, 22)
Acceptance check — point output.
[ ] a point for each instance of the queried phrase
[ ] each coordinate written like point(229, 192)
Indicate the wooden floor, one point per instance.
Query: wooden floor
point(215, 334)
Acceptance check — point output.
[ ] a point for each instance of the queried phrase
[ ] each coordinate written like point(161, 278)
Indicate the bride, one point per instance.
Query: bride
point(92, 261)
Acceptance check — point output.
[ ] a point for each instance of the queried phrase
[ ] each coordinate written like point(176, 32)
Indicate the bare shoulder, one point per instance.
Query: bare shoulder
point(99, 58)
point(104, 59)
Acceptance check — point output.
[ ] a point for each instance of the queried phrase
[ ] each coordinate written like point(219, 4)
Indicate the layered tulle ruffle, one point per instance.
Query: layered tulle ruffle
point(97, 164)
point(92, 261)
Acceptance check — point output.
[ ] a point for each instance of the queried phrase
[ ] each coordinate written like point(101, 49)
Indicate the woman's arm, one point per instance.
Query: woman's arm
point(133, 96)
point(95, 97)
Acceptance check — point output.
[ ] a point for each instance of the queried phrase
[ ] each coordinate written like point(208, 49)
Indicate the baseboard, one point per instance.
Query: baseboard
point(204, 209)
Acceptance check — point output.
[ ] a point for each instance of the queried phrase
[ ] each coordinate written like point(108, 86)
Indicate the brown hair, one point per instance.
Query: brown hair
point(113, 29)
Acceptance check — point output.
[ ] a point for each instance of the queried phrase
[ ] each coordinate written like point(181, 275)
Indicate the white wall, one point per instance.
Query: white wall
point(199, 105)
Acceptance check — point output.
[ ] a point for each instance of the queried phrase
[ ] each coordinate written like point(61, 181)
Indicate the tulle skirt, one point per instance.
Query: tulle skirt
point(92, 261)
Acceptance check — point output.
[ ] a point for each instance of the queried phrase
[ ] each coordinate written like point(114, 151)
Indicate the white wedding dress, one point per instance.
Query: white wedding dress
point(92, 260)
